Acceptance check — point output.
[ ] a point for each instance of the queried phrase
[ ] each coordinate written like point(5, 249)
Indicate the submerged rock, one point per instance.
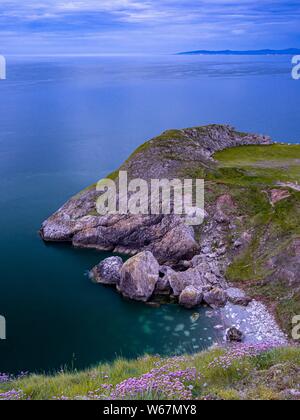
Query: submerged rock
point(191, 297)
point(139, 276)
point(108, 271)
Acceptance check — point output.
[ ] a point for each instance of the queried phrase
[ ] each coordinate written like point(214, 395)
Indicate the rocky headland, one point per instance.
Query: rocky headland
point(247, 249)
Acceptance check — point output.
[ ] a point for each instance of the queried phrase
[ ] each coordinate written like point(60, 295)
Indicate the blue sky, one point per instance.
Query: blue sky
point(145, 26)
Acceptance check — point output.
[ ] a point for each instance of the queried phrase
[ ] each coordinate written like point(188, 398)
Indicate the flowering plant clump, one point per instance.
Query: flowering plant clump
point(239, 352)
point(158, 383)
point(5, 377)
point(167, 380)
point(12, 395)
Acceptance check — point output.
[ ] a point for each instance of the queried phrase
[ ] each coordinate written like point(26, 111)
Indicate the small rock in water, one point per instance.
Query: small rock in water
point(195, 317)
point(108, 271)
point(234, 335)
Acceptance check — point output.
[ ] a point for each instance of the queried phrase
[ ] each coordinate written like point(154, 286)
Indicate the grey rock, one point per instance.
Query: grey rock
point(139, 276)
point(190, 297)
point(216, 297)
point(200, 276)
point(234, 335)
point(237, 297)
point(108, 271)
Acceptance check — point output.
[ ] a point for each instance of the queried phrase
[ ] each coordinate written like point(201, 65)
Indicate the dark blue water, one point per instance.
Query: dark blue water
point(65, 123)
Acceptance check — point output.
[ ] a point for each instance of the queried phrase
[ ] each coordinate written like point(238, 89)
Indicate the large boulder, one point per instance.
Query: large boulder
point(108, 271)
point(215, 297)
point(139, 276)
point(191, 297)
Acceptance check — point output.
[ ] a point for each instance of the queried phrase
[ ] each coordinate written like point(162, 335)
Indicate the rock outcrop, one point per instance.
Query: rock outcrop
point(169, 257)
point(170, 155)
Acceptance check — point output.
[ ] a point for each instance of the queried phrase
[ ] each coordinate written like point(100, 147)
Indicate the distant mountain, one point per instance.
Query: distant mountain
point(290, 51)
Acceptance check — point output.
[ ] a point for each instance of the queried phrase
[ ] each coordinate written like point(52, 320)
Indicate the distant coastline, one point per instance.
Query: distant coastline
point(290, 51)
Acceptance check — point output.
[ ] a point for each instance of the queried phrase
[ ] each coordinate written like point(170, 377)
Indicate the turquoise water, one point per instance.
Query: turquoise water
point(65, 123)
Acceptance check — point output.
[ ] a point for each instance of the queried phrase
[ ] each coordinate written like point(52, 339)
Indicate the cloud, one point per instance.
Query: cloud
point(164, 25)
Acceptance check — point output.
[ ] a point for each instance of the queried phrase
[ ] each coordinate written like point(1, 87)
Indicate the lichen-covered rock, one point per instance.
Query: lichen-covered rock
point(237, 296)
point(190, 297)
point(139, 276)
point(215, 297)
point(108, 271)
point(233, 335)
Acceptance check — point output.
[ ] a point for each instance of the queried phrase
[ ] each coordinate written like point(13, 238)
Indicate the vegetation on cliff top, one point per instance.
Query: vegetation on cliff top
point(247, 373)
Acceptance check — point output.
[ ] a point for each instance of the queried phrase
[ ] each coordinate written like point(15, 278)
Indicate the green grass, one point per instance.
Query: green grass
point(260, 165)
point(246, 378)
point(247, 155)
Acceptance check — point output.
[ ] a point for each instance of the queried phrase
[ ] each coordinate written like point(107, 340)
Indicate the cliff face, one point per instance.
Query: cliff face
point(174, 154)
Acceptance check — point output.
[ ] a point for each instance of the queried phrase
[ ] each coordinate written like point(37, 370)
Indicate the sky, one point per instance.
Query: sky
point(146, 26)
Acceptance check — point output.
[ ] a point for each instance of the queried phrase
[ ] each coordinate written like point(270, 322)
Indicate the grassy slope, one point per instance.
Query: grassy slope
point(259, 377)
point(250, 172)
